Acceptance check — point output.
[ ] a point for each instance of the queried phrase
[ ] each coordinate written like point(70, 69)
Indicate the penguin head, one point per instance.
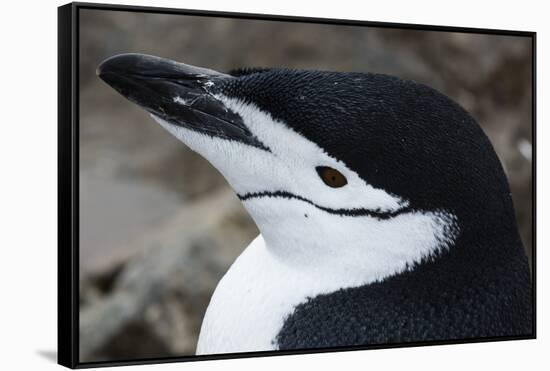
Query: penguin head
point(340, 171)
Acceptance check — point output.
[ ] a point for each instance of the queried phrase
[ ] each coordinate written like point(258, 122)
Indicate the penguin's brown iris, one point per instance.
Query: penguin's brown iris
point(331, 177)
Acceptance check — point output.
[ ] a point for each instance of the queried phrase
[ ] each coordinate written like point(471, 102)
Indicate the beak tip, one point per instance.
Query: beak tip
point(106, 66)
point(118, 64)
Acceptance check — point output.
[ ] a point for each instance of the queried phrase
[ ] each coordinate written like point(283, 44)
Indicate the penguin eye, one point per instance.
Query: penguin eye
point(331, 177)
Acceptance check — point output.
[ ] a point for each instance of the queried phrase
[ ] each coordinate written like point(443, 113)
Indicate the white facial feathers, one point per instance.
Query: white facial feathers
point(301, 229)
point(290, 166)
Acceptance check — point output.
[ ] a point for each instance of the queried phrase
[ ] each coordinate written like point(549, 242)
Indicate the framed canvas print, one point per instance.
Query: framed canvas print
point(235, 185)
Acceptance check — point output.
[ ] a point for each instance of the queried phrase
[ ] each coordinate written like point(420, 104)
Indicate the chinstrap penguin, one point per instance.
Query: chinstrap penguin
point(384, 212)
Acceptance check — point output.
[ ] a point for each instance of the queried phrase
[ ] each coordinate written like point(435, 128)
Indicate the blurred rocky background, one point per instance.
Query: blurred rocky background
point(159, 226)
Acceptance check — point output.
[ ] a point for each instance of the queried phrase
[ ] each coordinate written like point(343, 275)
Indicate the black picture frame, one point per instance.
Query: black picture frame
point(68, 180)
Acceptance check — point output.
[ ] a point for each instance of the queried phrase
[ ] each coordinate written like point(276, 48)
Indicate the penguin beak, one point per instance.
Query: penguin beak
point(178, 93)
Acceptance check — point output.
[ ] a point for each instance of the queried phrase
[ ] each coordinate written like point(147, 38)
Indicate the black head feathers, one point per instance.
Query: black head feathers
point(401, 136)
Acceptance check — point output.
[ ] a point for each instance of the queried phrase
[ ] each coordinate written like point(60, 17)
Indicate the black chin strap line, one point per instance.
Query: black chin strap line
point(378, 214)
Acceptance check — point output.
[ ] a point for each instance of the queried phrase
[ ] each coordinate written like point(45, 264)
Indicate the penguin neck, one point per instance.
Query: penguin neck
point(489, 234)
point(327, 272)
point(485, 251)
point(352, 251)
